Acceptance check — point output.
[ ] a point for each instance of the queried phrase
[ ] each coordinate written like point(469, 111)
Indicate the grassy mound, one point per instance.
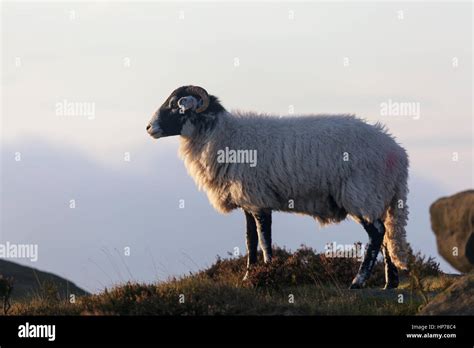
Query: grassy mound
point(299, 283)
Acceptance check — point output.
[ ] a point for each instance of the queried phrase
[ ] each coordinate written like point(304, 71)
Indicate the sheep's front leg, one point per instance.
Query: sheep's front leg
point(376, 231)
point(252, 241)
point(264, 229)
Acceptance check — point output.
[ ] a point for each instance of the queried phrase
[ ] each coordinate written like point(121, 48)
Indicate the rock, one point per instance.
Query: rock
point(458, 299)
point(452, 220)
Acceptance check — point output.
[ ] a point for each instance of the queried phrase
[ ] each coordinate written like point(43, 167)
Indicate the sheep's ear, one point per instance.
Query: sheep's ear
point(188, 103)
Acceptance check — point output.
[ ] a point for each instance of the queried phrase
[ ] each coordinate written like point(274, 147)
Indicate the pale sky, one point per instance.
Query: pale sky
point(125, 58)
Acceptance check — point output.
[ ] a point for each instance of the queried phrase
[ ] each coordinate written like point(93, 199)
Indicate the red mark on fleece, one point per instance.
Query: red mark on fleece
point(391, 161)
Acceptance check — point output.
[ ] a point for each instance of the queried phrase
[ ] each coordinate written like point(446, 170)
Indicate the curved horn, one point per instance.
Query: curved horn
point(201, 92)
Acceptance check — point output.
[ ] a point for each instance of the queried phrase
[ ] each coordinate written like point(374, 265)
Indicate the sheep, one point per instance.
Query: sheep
point(329, 167)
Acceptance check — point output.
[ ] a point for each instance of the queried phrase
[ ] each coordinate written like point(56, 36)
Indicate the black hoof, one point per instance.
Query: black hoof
point(390, 286)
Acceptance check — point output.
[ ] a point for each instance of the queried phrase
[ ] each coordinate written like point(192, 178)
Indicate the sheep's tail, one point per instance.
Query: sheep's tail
point(395, 235)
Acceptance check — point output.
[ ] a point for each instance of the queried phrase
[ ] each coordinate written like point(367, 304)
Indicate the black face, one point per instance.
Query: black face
point(170, 117)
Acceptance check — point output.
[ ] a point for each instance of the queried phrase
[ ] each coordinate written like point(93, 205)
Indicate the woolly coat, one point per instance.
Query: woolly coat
point(325, 166)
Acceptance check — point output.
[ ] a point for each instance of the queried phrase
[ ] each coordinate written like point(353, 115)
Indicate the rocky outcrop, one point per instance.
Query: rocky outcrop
point(452, 220)
point(458, 299)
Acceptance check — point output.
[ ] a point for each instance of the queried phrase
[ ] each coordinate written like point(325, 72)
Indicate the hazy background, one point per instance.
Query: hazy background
point(126, 58)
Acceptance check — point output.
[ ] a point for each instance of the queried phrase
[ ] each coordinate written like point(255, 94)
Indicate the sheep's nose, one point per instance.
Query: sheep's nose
point(148, 127)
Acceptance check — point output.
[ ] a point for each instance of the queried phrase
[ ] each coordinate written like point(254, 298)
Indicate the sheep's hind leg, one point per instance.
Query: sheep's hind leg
point(376, 231)
point(264, 229)
point(391, 272)
point(252, 242)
